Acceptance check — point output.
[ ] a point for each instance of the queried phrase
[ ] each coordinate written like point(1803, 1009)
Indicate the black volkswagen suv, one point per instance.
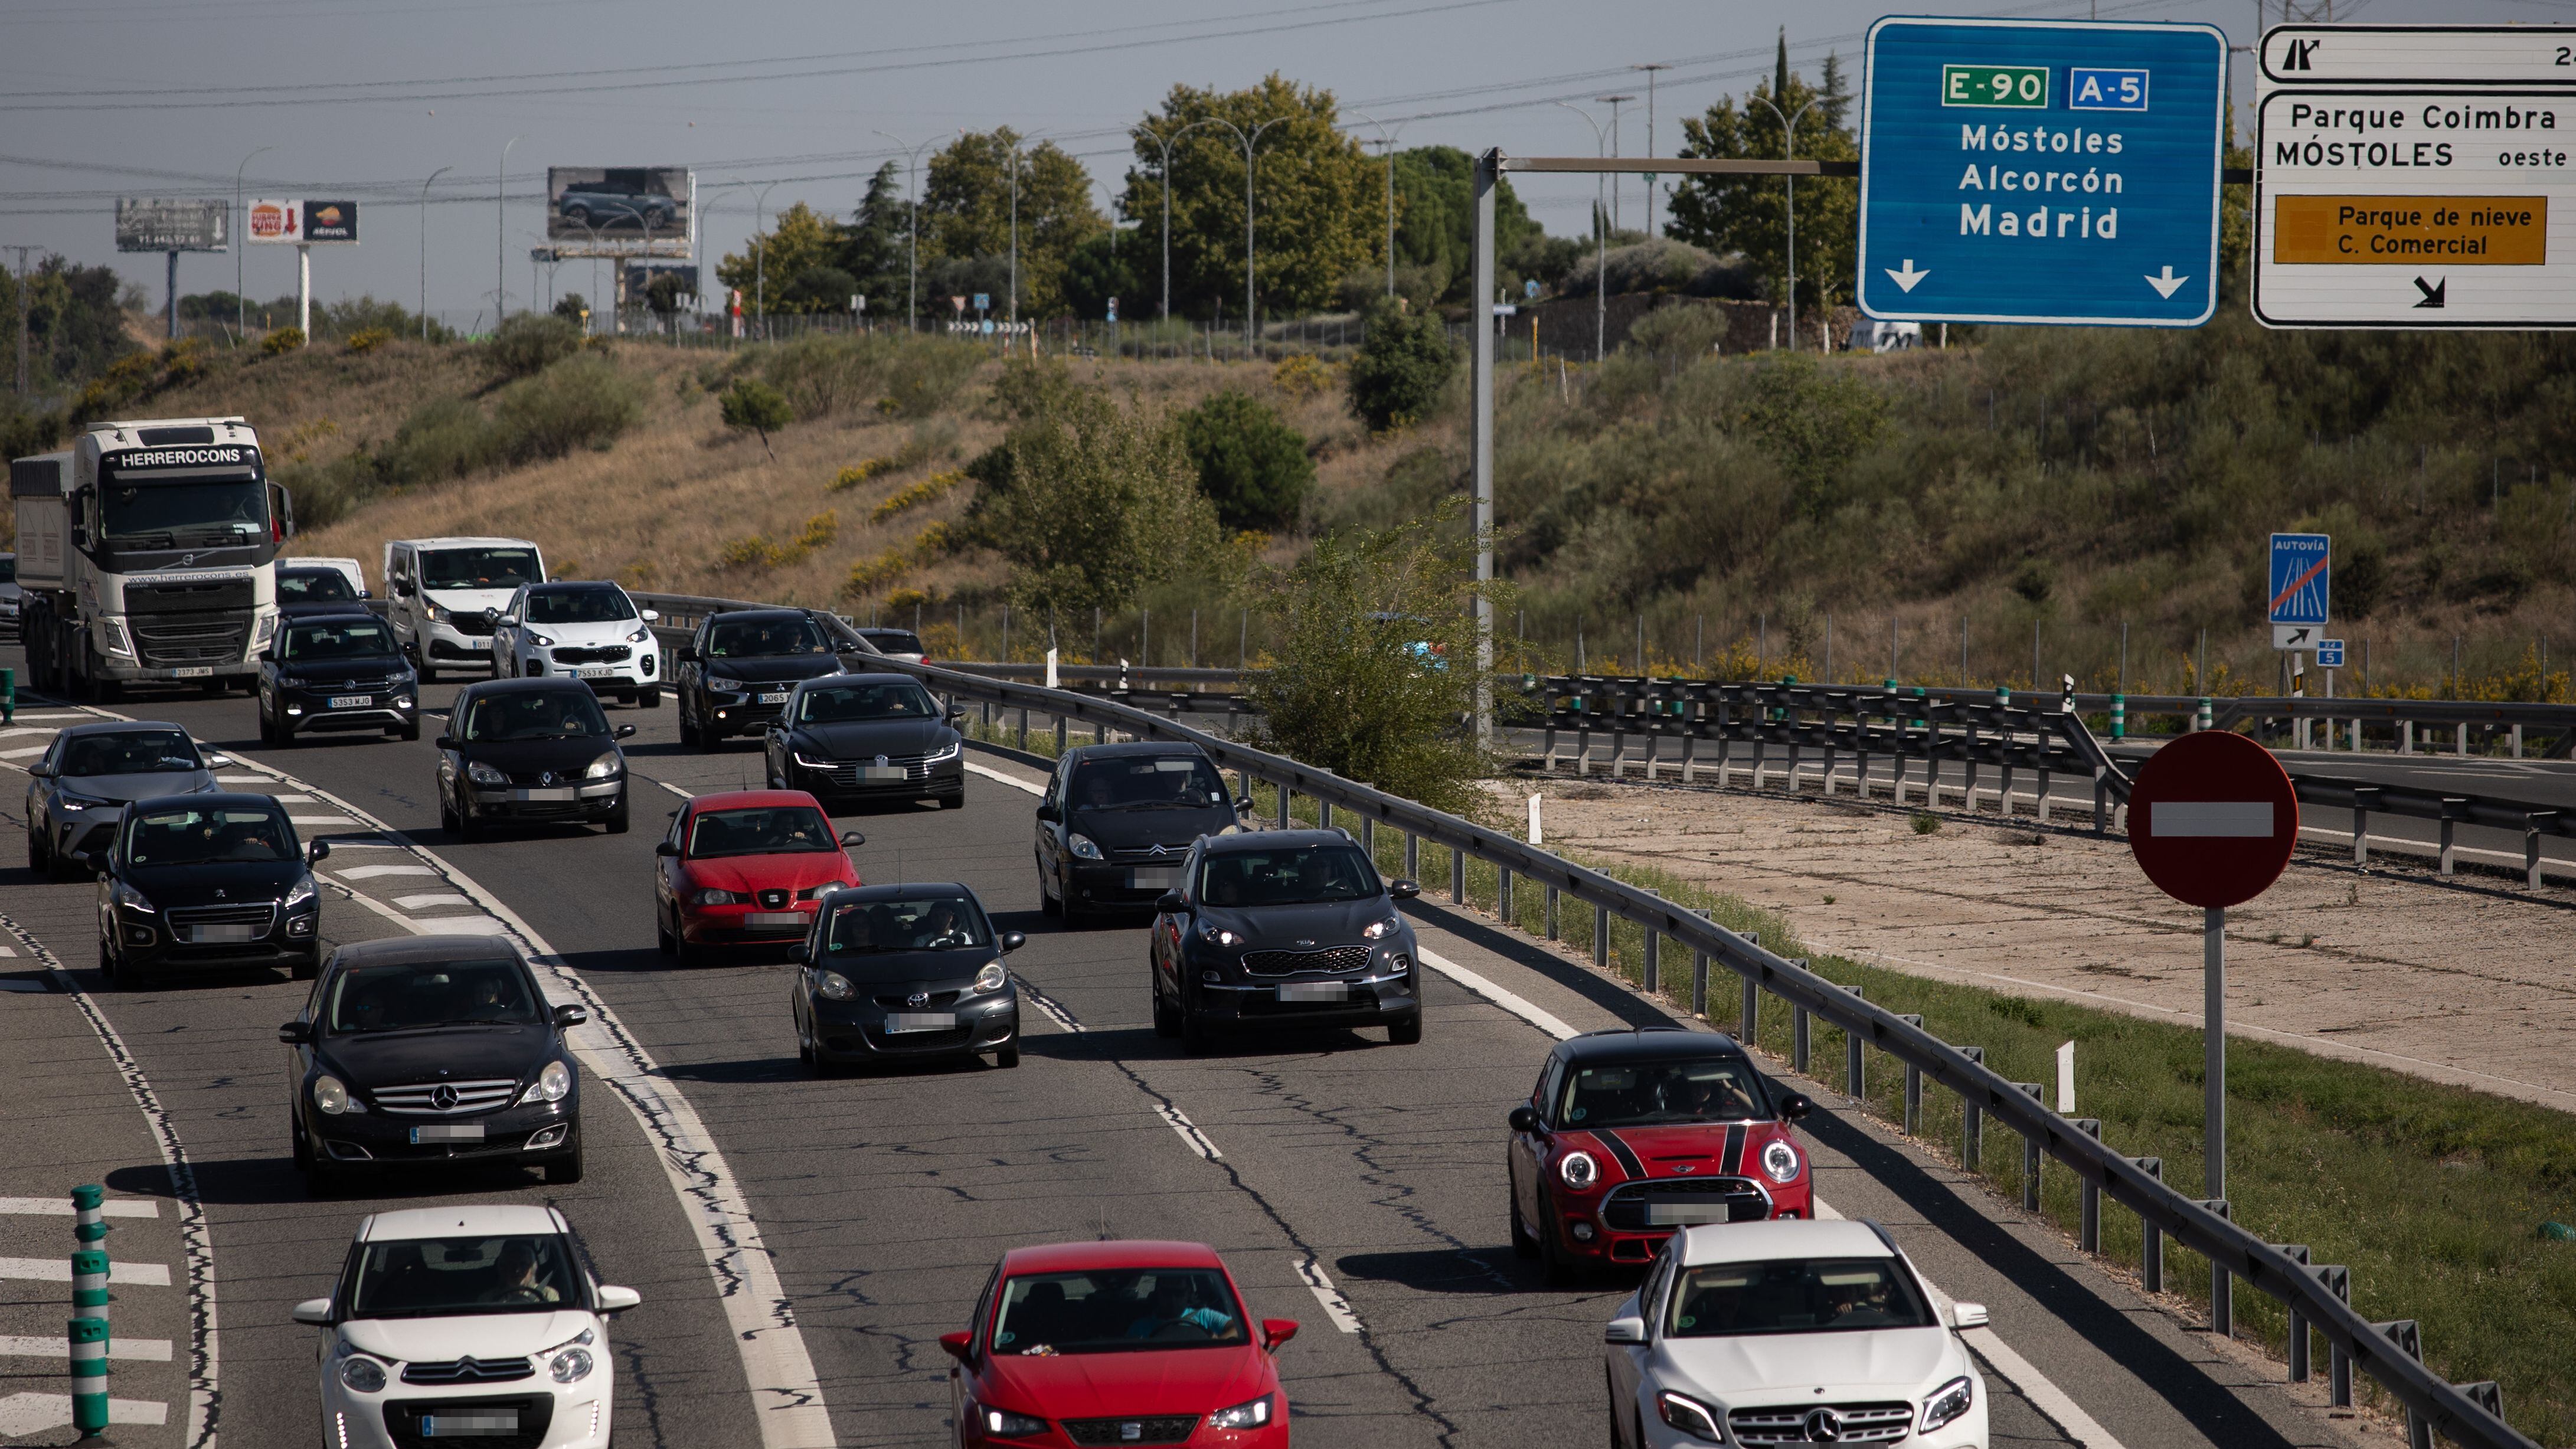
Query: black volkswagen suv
point(1284, 928)
point(530, 750)
point(205, 881)
point(734, 677)
point(335, 672)
point(1116, 821)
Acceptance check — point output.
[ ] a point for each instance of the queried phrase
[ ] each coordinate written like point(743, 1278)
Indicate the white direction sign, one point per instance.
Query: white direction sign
point(2416, 176)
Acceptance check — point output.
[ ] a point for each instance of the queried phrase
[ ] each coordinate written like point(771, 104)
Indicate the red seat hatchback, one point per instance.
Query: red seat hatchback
point(745, 868)
point(1117, 1343)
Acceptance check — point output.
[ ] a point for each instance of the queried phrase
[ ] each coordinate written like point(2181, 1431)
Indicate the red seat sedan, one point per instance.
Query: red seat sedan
point(745, 869)
point(1117, 1343)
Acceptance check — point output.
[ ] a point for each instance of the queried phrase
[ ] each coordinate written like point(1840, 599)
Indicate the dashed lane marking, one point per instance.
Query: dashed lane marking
point(36, 1413)
point(145, 1350)
point(989, 773)
point(1510, 1001)
point(414, 903)
point(1336, 1307)
point(1170, 1114)
point(59, 1270)
point(459, 926)
point(61, 1207)
point(371, 872)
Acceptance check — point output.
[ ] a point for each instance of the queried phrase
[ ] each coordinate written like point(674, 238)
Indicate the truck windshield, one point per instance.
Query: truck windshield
point(174, 515)
point(479, 568)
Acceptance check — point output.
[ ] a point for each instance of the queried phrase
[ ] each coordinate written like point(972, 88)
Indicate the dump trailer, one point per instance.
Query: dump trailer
point(146, 553)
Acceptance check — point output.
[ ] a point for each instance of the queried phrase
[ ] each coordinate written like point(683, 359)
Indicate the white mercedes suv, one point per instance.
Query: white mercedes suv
point(472, 1322)
point(1791, 1332)
point(586, 630)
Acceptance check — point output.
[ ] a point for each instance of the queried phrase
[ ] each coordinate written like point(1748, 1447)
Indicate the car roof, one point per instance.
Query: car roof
point(517, 1219)
point(1782, 1238)
point(459, 541)
point(566, 586)
point(1110, 1253)
point(541, 684)
point(750, 800)
point(758, 616)
point(908, 890)
point(1654, 1042)
point(118, 727)
point(412, 950)
point(228, 799)
point(857, 676)
point(1159, 749)
point(1271, 840)
point(358, 615)
point(874, 629)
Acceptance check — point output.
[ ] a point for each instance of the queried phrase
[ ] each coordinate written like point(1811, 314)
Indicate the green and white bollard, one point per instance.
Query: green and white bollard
point(89, 1376)
point(89, 1212)
point(2119, 716)
point(2208, 715)
point(8, 695)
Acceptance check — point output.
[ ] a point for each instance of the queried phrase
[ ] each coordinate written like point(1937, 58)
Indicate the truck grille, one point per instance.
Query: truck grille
point(188, 596)
point(417, 1099)
point(1851, 1424)
point(165, 641)
point(1281, 963)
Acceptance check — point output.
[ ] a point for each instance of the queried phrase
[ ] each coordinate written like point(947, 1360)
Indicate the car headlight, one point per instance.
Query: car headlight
point(955, 747)
point(1689, 1415)
point(439, 613)
point(992, 978)
point(302, 894)
point(540, 640)
point(1082, 847)
point(1250, 1415)
point(1579, 1170)
point(267, 631)
point(1379, 930)
point(606, 766)
point(810, 764)
point(1952, 1399)
point(640, 636)
point(1780, 1161)
point(362, 1374)
point(71, 801)
point(723, 685)
point(116, 642)
point(402, 701)
point(1211, 931)
point(483, 774)
point(1002, 1423)
point(712, 896)
point(130, 898)
point(553, 1084)
point(332, 1096)
point(832, 986)
point(570, 1366)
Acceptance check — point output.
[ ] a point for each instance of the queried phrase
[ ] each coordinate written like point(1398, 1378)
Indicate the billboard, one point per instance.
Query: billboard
point(330, 221)
point(300, 223)
point(620, 210)
point(170, 224)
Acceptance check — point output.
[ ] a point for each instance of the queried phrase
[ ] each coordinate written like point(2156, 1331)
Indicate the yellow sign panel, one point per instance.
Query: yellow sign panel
point(2476, 231)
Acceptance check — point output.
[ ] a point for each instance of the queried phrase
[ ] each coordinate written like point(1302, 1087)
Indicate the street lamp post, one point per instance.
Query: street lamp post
point(500, 236)
point(424, 248)
point(1015, 235)
point(1614, 103)
point(241, 308)
point(1650, 70)
point(1386, 143)
point(912, 297)
point(1788, 149)
point(1251, 331)
point(1601, 235)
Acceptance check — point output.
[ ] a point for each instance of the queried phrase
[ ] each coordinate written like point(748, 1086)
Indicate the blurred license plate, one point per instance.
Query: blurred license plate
point(352, 701)
point(595, 671)
point(778, 698)
point(204, 934)
point(880, 772)
point(920, 1020)
point(774, 918)
point(1315, 991)
point(193, 671)
point(1685, 1214)
point(1160, 877)
point(487, 1424)
point(470, 1132)
point(565, 793)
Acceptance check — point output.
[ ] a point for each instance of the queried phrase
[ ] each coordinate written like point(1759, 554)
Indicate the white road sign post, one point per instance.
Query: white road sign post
point(2416, 176)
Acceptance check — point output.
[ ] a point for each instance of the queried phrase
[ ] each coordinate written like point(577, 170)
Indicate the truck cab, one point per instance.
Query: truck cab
point(147, 552)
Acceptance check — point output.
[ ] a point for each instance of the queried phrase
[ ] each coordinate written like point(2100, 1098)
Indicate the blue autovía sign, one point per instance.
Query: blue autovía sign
point(2300, 577)
point(2029, 171)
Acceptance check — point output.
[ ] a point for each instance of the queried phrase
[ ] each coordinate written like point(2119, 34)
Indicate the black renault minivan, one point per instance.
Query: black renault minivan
point(1117, 819)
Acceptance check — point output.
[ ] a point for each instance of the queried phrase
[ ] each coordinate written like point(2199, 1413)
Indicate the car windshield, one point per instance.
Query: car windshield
point(447, 1277)
point(765, 830)
point(8, 569)
point(552, 715)
point(1820, 1295)
point(1292, 875)
point(763, 638)
point(1644, 1094)
point(840, 703)
point(599, 604)
point(169, 515)
point(893, 641)
point(1128, 782)
point(313, 586)
point(479, 568)
point(202, 836)
point(410, 995)
point(130, 752)
point(926, 923)
point(306, 643)
point(1116, 1310)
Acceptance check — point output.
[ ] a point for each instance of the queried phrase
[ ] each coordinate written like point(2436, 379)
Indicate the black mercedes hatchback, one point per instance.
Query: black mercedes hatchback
point(1116, 821)
point(533, 750)
point(202, 882)
point(905, 971)
point(1284, 928)
point(432, 1051)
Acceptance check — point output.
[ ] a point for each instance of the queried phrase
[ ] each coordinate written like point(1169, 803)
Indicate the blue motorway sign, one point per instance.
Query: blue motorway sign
point(2041, 171)
point(2299, 578)
point(2330, 654)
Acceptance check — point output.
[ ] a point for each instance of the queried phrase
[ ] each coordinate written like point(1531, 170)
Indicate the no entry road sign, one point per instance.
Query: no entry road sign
point(2213, 819)
point(2032, 171)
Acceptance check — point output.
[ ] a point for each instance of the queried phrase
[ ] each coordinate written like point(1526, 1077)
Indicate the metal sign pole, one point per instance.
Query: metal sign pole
point(1489, 168)
point(2213, 952)
point(173, 294)
point(304, 290)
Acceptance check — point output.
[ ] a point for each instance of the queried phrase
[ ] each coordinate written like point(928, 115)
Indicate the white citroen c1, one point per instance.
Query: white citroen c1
point(1791, 1332)
point(466, 1322)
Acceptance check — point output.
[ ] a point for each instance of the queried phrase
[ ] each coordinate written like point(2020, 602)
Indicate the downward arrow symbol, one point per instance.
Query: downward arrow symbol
point(1906, 279)
point(2168, 284)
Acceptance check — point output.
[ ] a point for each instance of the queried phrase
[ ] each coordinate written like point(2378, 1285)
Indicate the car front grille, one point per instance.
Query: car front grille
point(919, 1041)
point(188, 919)
point(1798, 1423)
point(603, 654)
point(414, 1100)
point(1630, 1206)
point(453, 1421)
point(344, 686)
point(1151, 855)
point(844, 774)
point(167, 641)
point(472, 626)
point(468, 1370)
point(938, 1001)
point(1158, 1429)
point(1282, 963)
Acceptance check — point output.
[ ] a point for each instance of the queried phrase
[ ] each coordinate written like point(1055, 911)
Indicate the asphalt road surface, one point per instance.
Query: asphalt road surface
point(800, 1243)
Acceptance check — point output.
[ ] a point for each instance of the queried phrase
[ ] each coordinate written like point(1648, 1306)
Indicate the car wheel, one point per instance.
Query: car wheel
point(1554, 1265)
point(267, 731)
point(321, 1179)
point(1524, 1244)
point(40, 851)
point(662, 937)
point(1008, 1056)
point(467, 827)
point(1167, 1018)
point(953, 802)
point(411, 728)
point(687, 953)
point(106, 963)
point(1195, 1038)
point(1075, 917)
point(1048, 905)
point(564, 1171)
point(1405, 1031)
point(617, 819)
point(302, 1151)
point(1610, 1400)
point(447, 814)
point(650, 698)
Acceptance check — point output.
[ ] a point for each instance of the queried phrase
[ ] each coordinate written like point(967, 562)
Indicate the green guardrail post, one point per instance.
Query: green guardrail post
point(2119, 716)
point(8, 695)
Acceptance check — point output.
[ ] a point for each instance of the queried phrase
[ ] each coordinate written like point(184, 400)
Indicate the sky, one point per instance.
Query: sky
point(778, 101)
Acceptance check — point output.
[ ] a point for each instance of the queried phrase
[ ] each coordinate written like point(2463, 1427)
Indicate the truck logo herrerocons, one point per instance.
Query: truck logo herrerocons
point(179, 457)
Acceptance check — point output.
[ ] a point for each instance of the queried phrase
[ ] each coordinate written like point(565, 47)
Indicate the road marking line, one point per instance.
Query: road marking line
point(1051, 1011)
point(59, 1270)
point(443, 898)
point(35, 1413)
point(17, 1345)
point(61, 1207)
point(22, 754)
point(245, 780)
point(8, 951)
point(459, 925)
point(72, 714)
point(292, 799)
point(1170, 1114)
point(990, 773)
point(320, 820)
point(14, 733)
point(1336, 1307)
point(370, 872)
point(1515, 1004)
point(674, 789)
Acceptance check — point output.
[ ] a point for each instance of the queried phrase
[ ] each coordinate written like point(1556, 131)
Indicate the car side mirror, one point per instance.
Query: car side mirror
point(613, 1299)
point(80, 536)
point(571, 1013)
point(664, 847)
point(955, 713)
point(652, 616)
point(217, 762)
point(1624, 1330)
point(1171, 903)
point(1014, 940)
point(1524, 1118)
point(1243, 805)
point(316, 1311)
point(1049, 813)
point(1793, 1107)
point(1276, 1331)
point(800, 953)
point(852, 837)
point(625, 732)
point(686, 655)
point(295, 1033)
point(364, 594)
point(446, 742)
point(960, 1346)
point(1403, 890)
point(318, 852)
point(40, 771)
point(1967, 1315)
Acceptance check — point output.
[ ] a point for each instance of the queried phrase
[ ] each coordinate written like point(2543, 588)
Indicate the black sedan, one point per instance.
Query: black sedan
point(79, 790)
point(534, 750)
point(850, 737)
point(432, 1050)
point(734, 677)
point(336, 672)
point(204, 882)
point(1284, 928)
point(904, 972)
point(1116, 821)
point(316, 589)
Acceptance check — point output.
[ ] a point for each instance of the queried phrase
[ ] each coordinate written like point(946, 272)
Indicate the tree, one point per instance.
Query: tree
point(772, 260)
point(875, 246)
point(751, 405)
point(1251, 466)
point(966, 212)
point(1106, 265)
point(1749, 214)
point(1435, 227)
point(1398, 373)
point(1319, 202)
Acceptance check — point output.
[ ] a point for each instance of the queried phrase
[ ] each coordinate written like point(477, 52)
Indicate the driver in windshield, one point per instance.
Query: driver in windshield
point(517, 1281)
point(940, 930)
point(1171, 1306)
point(1096, 794)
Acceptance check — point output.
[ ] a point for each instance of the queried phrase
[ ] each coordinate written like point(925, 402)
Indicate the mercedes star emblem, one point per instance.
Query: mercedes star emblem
point(1824, 1426)
point(443, 1097)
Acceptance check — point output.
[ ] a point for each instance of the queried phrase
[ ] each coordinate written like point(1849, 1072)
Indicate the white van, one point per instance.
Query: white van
point(437, 589)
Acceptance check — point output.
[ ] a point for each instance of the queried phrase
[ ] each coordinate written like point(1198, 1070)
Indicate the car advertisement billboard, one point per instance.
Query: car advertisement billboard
point(620, 209)
point(170, 224)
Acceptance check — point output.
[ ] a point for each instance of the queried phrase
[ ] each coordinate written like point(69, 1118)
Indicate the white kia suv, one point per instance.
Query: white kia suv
point(1791, 1332)
point(585, 630)
point(474, 1322)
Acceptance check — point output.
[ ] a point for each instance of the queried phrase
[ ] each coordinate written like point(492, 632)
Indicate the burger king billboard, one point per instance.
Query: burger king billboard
point(300, 222)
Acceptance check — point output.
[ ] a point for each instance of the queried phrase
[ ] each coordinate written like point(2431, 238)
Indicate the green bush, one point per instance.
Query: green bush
point(922, 375)
point(1397, 375)
point(443, 438)
point(823, 377)
point(751, 405)
point(578, 402)
point(1252, 466)
point(530, 342)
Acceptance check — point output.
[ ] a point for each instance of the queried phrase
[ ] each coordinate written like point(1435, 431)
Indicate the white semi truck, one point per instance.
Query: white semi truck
point(147, 552)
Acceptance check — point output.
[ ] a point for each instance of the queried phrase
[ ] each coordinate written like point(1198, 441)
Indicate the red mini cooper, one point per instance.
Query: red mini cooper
point(1631, 1134)
point(745, 869)
point(1117, 1343)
